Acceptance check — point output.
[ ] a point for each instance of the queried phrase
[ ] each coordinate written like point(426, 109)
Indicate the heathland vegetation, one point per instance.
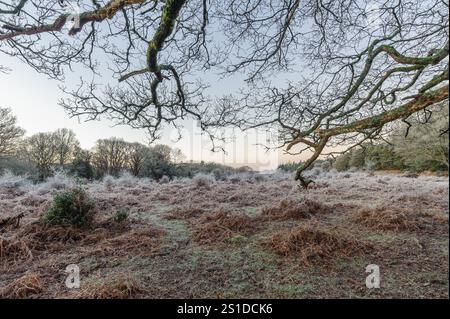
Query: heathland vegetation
point(139, 222)
point(362, 81)
point(39, 156)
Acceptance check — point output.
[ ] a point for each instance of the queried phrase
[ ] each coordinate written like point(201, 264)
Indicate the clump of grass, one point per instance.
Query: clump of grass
point(288, 209)
point(238, 239)
point(72, 207)
point(313, 243)
point(27, 285)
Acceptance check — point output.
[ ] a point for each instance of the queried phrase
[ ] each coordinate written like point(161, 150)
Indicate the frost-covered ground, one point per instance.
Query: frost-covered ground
point(250, 235)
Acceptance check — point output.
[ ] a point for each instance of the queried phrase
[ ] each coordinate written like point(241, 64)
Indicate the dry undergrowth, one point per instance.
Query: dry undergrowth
point(113, 287)
point(396, 219)
point(184, 212)
point(40, 237)
point(288, 209)
point(13, 249)
point(221, 226)
point(143, 240)
point(312, 243)
point(25, 286)
point(136, 248)
point(37, 238)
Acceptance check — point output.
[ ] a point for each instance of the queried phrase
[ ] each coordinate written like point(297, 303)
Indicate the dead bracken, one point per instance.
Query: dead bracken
point(180, 212)
point(13, 249)
point(312, 243)
point(203, 243)
point(288, 209)
point(22, 287)
point(37, 239)
point(113, 287)
point(221, 226)
point(395, 219)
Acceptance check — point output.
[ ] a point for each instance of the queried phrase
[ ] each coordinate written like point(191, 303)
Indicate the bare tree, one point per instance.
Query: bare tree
point(131, 34)
point(66, 145)
point(110, 155)
point(9, 132)
point(177, 155)
point(40, 149)
point(364, 65)
point(351, 67)
point(137, 154)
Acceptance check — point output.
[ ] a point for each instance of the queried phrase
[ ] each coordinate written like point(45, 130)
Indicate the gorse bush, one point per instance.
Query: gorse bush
point(72, 207)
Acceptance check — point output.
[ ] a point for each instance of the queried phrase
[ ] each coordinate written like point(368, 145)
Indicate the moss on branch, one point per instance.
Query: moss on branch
point(168, 18)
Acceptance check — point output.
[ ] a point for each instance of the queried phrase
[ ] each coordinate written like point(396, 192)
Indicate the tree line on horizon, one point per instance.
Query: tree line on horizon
point(40, 154)
point(417, 146)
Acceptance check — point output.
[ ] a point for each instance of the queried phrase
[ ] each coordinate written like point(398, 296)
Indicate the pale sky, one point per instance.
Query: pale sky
point(33, 99)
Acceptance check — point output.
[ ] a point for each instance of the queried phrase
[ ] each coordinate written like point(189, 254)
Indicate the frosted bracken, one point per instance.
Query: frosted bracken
point(244, 220)
point(237, 191)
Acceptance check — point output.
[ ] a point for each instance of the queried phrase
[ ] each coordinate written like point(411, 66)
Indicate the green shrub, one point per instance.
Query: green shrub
point(342, 162)
point(357, 158)
point(82, 167)
point(72, 207)
point(383, 157)
point(121, 215)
